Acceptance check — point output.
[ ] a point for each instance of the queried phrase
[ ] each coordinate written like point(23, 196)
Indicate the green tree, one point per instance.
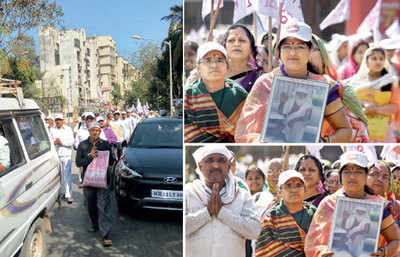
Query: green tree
point(22, 70)
point(145, 60)
point(175, 36)
point(19, 16)
point(154, 67)
point(116, 94)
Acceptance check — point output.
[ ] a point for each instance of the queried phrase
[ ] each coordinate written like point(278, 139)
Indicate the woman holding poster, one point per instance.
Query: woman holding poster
point(295, 49)
point(378, 90)
point(353, 174)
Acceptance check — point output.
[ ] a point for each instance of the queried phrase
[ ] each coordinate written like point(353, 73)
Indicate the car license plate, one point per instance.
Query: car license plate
point(167, 194)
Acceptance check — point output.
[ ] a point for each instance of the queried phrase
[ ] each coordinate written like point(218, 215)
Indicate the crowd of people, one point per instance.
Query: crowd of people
point(285, 210)
point(228, 84)
point(93, 134)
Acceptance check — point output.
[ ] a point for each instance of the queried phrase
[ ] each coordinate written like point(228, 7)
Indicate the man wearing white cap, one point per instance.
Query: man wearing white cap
point(63, 140)
point(83, 132)
point(219, 215)
point(50, 122)
point(286, 223)
point(127, 124)
point(99, 200)
point(294, 51)
point(106, 132)
point(213, 103)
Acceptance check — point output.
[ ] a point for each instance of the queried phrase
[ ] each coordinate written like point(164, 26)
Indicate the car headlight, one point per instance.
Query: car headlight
point(129, 173)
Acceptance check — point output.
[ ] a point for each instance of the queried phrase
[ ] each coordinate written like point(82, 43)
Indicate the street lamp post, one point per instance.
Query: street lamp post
point(170, 69)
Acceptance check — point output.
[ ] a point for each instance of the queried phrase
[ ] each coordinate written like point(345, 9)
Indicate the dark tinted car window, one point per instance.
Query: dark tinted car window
point(166, 133)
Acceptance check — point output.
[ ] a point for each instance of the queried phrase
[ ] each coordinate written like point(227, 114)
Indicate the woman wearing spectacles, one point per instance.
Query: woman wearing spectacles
point(294, 48)
point(382, 184)
point(213, 103)
point(353, 174)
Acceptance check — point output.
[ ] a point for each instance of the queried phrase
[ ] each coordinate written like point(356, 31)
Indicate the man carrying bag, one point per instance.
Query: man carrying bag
point(95, 156)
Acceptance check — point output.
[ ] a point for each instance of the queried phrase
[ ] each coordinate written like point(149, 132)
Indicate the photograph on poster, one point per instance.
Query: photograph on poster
point(296, 111)
point(356, 227)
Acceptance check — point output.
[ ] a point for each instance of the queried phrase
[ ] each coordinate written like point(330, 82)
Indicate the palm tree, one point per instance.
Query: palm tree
point(175, 36)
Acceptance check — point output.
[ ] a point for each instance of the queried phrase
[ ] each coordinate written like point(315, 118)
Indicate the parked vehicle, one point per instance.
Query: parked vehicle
point(150, 173)
point(29, 178)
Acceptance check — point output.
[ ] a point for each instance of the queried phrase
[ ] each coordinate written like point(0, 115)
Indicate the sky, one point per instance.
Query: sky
point(119, 19)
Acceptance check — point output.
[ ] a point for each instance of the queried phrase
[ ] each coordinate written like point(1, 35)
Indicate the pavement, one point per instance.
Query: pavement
point(135, 233)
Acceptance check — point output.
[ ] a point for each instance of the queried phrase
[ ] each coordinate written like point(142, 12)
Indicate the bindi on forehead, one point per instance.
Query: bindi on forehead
point(237, 32)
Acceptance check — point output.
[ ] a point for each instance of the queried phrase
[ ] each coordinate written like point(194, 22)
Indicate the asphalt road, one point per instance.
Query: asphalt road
point(135, 233)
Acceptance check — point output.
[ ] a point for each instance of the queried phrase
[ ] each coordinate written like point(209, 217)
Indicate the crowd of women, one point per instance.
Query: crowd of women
point(295, 207)
point(227, 84)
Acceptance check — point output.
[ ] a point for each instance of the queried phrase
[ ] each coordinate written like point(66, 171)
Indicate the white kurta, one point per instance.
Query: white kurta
point(67, 139)
point(224, 235)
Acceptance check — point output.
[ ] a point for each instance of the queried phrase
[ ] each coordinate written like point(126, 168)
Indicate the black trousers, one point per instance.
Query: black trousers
point(100, 208)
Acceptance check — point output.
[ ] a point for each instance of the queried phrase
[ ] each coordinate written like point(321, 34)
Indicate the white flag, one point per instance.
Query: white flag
point(371, 22)
point(368, 150)
point(268, 8)
point(242, 8)
point(133, 109)
point(206, 9)
point(139, 107)
point(391, 153)
point(314, 150)
point(339, 14)
point(291, 9)
point(393, 30)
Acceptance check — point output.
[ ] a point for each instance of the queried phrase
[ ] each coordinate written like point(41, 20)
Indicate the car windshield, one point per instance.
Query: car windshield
point(166, 133)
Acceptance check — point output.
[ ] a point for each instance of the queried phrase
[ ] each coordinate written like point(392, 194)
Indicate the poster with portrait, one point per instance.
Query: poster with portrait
point(295, 111)
point(355, 227)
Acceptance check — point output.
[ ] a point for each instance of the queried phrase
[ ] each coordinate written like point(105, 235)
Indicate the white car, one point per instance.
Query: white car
point(29, 178)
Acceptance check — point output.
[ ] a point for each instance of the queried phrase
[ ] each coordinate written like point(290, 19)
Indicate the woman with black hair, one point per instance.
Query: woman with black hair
point(379, 92)
point(255, 179)
point(332, 181)
point(242, 51)
point(311, 169)
point(353, 174)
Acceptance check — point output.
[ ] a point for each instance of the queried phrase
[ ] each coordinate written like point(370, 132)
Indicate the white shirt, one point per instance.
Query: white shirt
point(67, 140)
point(127, 123)
point(83, 134)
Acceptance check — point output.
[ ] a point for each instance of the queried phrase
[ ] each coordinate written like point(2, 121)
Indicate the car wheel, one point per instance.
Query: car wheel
point(35, 244)
point(121, 200)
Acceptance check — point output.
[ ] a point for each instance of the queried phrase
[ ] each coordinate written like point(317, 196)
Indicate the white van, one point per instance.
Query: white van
point(29, 178)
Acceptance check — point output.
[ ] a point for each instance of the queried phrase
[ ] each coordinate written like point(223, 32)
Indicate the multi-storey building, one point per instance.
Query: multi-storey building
point(107, 65)
point(81, 70)
point(126, 73)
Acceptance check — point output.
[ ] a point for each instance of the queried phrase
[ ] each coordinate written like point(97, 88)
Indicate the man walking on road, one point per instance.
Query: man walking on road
point(99, 200)
point(63, 140)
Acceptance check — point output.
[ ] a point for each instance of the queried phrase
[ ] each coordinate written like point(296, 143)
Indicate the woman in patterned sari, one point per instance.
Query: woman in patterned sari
point(295, 48)
point(242, 51)
point(353, 175)
point(213, 103)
